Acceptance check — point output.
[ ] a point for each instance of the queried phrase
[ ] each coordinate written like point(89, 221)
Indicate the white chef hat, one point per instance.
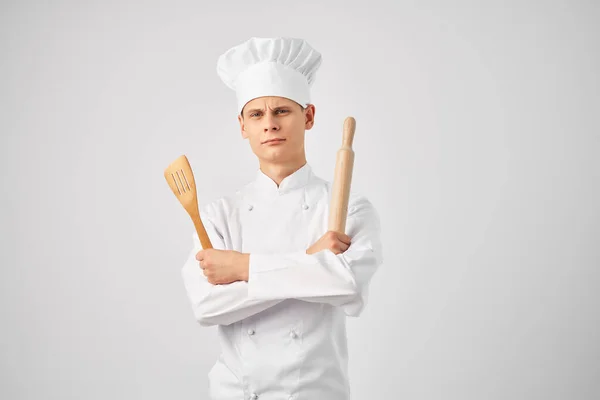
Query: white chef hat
point(279, 66)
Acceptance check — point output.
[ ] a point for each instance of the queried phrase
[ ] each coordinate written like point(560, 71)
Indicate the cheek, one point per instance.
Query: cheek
point(254, 143)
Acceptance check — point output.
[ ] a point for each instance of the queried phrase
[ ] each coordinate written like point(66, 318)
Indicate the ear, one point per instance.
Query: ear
point(309, 118)
point(242, 127)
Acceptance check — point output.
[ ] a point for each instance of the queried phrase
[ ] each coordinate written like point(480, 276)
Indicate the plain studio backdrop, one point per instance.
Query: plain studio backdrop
point(477, 140)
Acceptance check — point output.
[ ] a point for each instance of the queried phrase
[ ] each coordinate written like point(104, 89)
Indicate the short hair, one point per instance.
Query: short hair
point(242, 112)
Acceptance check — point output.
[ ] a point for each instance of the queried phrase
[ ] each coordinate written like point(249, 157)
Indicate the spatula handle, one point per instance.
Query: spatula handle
point(204, 239)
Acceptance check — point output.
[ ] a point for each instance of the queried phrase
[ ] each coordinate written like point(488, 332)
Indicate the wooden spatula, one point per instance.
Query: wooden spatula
point(180, 178)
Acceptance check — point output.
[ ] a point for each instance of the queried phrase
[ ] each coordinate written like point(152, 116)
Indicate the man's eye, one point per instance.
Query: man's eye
point(282, 110)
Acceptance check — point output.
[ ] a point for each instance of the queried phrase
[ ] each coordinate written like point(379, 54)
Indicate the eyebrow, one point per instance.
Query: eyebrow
point(260, 109)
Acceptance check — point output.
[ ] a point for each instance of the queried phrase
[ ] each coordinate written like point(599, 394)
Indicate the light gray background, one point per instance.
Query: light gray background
point(477, 140)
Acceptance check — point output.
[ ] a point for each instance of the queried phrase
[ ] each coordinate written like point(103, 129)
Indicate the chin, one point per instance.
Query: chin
point(272, 156)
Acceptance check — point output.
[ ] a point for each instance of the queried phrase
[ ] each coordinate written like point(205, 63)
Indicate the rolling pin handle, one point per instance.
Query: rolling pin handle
point(349, 128)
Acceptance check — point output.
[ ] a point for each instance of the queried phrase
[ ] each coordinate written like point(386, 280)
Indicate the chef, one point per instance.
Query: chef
point(277, 284)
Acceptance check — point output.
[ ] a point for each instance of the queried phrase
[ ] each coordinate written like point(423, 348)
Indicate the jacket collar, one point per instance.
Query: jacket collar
point(297, 179)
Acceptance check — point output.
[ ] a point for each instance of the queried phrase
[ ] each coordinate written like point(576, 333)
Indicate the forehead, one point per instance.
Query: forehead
point(269, 101)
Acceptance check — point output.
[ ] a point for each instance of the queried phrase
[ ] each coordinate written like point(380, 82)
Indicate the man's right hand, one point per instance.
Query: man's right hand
point(334, 241)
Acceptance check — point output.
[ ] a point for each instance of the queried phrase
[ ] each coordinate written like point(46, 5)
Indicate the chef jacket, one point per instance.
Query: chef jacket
point(283, 332)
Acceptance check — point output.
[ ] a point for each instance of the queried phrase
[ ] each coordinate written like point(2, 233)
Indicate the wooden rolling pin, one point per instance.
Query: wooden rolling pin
point(342, 179)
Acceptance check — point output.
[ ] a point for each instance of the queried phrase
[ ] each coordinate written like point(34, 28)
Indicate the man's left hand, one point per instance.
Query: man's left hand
point(223, 266)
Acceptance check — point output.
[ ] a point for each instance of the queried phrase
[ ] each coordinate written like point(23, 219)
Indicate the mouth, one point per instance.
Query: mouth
point(275, 140)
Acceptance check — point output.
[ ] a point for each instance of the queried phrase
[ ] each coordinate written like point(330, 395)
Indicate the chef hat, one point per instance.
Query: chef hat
point(259, 67)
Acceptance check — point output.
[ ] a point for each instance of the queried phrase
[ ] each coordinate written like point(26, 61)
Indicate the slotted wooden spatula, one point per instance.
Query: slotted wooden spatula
point(180, 178)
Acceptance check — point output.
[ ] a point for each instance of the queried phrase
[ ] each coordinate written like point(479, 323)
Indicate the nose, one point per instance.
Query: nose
point(270, 123)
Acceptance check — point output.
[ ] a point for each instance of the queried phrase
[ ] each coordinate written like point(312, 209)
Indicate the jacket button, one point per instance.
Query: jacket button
point(305, 206)
point(250, 207)
point(250, 331)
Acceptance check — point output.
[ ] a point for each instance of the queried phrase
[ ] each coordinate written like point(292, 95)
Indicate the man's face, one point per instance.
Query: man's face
point(267, 118)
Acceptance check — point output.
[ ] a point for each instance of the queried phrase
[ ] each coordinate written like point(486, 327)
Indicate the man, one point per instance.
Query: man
point(277, 284)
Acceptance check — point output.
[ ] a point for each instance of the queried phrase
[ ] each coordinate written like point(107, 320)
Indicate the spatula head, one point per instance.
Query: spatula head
point(180, 178)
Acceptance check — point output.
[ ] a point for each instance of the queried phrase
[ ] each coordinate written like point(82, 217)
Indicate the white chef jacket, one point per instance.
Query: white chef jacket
point(283, 332)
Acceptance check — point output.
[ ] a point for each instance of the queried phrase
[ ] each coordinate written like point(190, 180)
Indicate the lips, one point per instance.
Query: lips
point(274, 140)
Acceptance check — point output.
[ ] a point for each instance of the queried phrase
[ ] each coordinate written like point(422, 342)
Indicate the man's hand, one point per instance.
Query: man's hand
point(223, 266)
point(334, 241)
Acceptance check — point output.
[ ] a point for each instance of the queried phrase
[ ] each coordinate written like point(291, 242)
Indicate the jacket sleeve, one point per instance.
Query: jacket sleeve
point(217, 304)
point(340, 280)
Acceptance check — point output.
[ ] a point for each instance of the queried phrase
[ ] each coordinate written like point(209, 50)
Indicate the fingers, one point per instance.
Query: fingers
point(342, 237)
point(337, 242)
point(339, 248)
point(344, 246)
point(200, 258)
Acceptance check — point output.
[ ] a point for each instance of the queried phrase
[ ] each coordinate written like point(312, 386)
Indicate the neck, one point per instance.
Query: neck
point(278, 171)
